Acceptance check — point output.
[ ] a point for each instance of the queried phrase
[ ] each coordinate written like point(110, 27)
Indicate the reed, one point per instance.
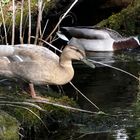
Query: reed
point(3, 22)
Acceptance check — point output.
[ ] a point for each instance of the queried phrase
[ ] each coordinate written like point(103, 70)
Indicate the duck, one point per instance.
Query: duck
point(97, 39)
point(38, 65)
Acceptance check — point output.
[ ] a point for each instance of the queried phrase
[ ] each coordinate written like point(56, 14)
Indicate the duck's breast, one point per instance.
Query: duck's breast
point(93, 44)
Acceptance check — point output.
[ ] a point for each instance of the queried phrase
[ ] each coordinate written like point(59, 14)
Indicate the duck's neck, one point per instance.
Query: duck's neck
point(66, 69)
point(128, 43)
point(65, 62)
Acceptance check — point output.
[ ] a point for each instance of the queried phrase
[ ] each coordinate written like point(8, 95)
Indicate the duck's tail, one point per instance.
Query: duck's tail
point(62, 36)
point(6, 50)
point(4, 67)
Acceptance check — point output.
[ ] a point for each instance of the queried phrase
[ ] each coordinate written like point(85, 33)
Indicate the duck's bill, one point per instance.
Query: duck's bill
point(89, 63)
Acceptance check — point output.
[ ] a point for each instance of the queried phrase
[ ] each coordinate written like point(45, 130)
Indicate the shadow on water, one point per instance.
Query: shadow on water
point(113, 91)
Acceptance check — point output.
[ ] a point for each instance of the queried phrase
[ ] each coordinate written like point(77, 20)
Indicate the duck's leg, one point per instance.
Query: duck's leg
point(32, 90)
point(33, 93)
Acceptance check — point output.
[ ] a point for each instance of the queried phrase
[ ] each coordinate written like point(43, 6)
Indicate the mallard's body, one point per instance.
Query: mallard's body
point(96, 39)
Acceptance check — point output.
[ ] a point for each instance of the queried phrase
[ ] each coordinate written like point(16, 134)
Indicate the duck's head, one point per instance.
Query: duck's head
point(76, 53)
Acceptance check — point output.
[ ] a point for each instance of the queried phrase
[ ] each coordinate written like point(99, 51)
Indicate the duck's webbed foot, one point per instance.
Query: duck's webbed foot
point(33, 93)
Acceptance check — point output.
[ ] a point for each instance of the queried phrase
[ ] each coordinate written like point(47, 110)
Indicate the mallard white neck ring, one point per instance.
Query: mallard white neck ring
point(137, 38)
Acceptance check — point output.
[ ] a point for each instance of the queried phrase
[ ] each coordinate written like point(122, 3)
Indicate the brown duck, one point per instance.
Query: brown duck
point(39, 65)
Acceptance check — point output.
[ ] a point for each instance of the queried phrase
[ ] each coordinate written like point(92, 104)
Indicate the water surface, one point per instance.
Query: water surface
point(114, 92)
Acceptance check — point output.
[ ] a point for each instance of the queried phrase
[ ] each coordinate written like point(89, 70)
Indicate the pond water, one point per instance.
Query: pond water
point(113, 92)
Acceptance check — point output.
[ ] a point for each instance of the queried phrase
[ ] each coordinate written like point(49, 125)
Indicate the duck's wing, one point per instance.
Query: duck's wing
point(35, 51)
point(114, 34)
point(26, 52)
point(87, 32)
point(83, 32)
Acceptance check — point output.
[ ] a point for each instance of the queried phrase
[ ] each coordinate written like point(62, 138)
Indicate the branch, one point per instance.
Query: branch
point(13, 25)
point(21, 22)
point(29, 31)
point(61, 19)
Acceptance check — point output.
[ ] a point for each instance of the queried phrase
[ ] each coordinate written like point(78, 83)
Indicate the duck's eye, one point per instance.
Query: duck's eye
point(77, 50)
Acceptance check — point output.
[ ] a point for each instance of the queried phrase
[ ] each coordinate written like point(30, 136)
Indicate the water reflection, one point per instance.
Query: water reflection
point(113, 57)
point(121, 134)
point(105, 86)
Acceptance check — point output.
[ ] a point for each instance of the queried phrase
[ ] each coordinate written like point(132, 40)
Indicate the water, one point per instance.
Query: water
point(113, 92)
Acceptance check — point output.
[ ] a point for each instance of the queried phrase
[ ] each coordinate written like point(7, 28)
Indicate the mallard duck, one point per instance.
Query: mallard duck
point(39, 65)
point(97, 39)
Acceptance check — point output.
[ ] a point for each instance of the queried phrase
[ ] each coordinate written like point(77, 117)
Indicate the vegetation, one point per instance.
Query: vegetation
point(7, 7)
point(9, 127)
point(126, 22)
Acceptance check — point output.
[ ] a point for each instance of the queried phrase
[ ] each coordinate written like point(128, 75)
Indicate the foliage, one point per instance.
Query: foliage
point(7, 8)
point(8, 127)
point(126, 22)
